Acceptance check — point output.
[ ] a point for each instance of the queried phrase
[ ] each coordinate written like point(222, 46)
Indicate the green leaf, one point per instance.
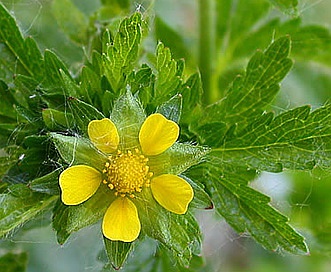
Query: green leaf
point(249, 95)
point(7, 102)
point(247, 210)
point(71, 19)
point(57, 75)
point(24, 50)
point(168, 78)
point(295, 139)
point(121, 55)
point(9, 159)
point(57, 120)
point(19, 205)
point(287, 6)
point(68, 219)
point(47, 184)
point(117, 252)
point(192, 94)
point(14, 262)
point(78, 150)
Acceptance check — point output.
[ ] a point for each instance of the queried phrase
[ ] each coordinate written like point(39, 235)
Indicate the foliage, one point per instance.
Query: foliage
point(46, 105)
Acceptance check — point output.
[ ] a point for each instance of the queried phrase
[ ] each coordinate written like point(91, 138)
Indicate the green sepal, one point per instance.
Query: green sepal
point(117, 252)
point(179, 233)
point(19, 204)
point(171, 109)
point(178, 158)
point(201, 199)
point(68, 219)
point(78, 150)
point(83, 113)
point(48, 184)
point(128, 116)
point(57, 120)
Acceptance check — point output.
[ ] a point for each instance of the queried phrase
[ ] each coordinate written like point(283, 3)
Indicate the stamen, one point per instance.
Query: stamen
point(127, 173)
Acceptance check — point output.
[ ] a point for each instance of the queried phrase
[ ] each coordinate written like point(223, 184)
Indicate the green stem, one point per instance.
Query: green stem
point(206, 49)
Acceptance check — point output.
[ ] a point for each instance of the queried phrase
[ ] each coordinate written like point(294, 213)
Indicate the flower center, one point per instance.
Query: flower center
point(127, 173)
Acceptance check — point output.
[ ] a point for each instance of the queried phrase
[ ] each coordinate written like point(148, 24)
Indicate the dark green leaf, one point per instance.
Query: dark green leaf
point(247, 210)
point(296, 139)
point(19, 205)
point(57, 120)
point(47, 184)
point(24, 50)
point(14, 262)
point(249, 95)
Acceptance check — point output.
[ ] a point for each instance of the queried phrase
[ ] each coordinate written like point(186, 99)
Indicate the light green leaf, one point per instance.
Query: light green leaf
point(72, 21)
point(48, 184)
point(168, 78)
point(287, 6)
point(121, 55)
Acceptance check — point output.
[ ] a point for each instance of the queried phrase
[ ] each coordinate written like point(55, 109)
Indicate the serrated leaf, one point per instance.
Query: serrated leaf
point(168, 79)
point(120, 56)
point(191, 93)
point(249, 95)
point(24, 50)
point(247, 210)
point(179, 233)
point(19, 205)
point(296, 139)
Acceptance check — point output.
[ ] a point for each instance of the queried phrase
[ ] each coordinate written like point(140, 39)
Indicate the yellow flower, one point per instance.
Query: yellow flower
point(127, 172)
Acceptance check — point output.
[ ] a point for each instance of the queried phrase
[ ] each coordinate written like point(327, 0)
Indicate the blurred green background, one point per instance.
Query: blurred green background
point(304, 197)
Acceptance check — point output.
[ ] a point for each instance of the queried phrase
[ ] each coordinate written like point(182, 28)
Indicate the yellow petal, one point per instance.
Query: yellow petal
point(172, 192)
point(78, 183)
point(121, 221)
point(157, 134)
point(103, 134)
